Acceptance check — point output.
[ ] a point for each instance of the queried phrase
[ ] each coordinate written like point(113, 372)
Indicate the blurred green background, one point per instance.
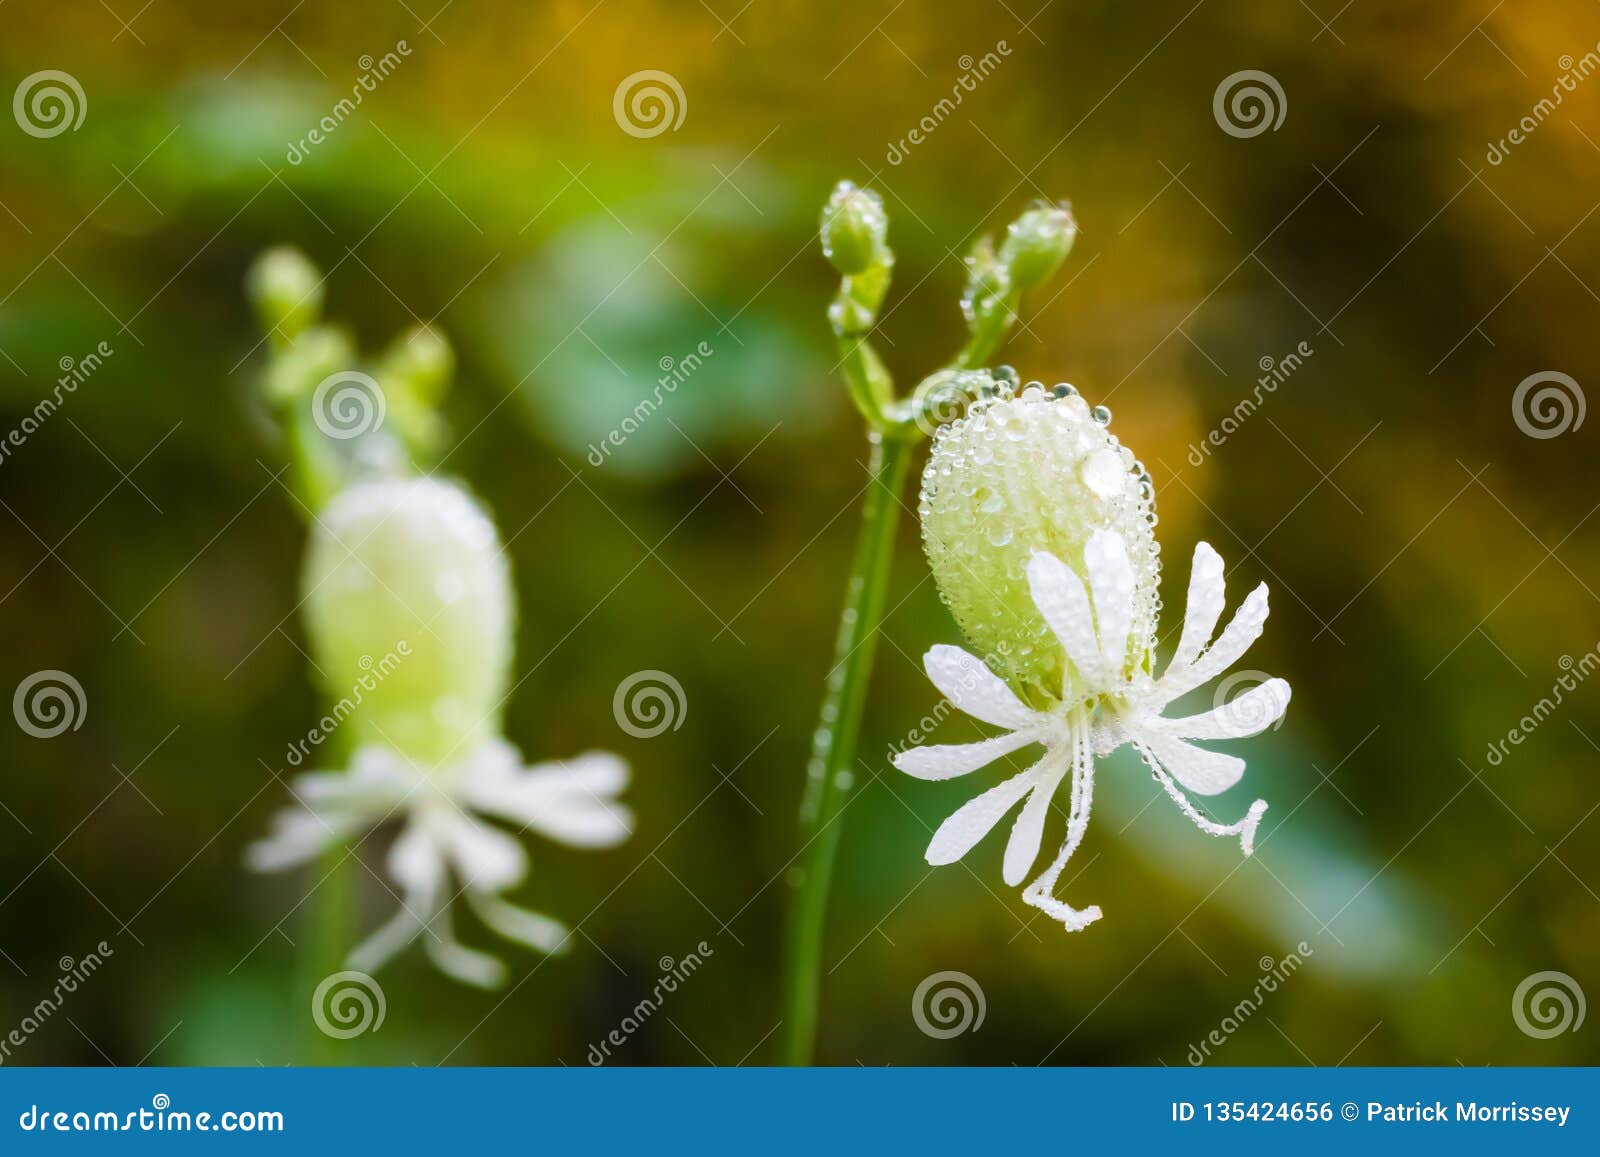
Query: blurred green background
point(1431, 564)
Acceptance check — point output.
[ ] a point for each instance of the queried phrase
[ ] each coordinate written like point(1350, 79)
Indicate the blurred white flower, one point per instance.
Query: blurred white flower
point(1108, 698)
point(417, 560)
point(445, 850)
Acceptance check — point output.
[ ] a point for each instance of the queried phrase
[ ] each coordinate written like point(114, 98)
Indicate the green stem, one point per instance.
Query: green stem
point(834, 745)
point(325, 940)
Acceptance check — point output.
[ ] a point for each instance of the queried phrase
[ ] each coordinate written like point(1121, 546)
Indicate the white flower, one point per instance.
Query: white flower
point(1117, 702)
point(444, 849)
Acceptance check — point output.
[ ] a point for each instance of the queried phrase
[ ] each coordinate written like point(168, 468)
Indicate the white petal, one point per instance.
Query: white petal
point(581, 821)
point(1234, 641)
point(1060, 598)
point(457, 960)
point(974, 820)
point(519, 924)
point(1022, 849)
point(300, 835)
point(568, 800)
point(486, 857)
point(948, 760)
point(1248, 713)
point(383, 945)
point(1245, 829)
point(595, 773)
point(1202, 772)
point(1041, 893)
point(973, 688)
point(1110, 573)
point(415, 862)
point(1204, 607)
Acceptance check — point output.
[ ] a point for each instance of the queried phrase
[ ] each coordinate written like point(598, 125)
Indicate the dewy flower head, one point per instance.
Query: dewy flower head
point(1040, 530)
point(1038, 471)
point(417, 562)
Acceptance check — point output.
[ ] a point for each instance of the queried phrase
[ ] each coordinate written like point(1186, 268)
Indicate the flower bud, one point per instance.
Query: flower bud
point(286, 291)
point(1037, 243)
point(1019, 474)
point(422, 362)
point(854, 229)
point(410, 613)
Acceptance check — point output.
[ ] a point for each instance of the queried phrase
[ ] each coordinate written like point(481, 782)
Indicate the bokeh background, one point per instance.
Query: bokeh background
point(1433, 566)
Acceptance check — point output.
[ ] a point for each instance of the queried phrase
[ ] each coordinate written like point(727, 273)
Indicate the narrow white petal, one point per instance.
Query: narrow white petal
point(1248, 713)
point(1203, 609)
point(514, 923)
point(1234, 641)
point(1110, 573)
point(486, 857)
point(948, 760)
point(1040, 893)
point(971, 687)
point(581, 821)
point(1202, 772)
point(387, 942)
point(1022, 849)
point(418, 866)
point(454, 959)
point(299, 835)
point(596, 773)
point(1061, 600)
point(415, 861)
point(975, 819)
point(1245, 829)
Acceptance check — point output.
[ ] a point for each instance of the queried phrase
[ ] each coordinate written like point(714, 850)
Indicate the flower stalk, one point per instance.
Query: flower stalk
point(854, 235)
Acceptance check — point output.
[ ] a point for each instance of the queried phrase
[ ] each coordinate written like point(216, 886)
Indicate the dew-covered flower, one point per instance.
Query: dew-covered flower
point(417, 561)
point(1023, 500)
